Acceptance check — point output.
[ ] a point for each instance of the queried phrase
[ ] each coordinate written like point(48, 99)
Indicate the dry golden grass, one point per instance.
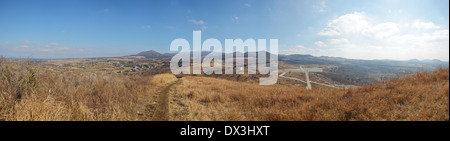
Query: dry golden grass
point(29, 95)
point(420, 97)
point(28, 92)
point(162, 79)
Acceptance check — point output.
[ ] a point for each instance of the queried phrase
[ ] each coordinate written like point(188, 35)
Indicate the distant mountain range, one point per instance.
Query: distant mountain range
point(364, 72)
point(154, 54)
point(305, 58)
point(347, 71)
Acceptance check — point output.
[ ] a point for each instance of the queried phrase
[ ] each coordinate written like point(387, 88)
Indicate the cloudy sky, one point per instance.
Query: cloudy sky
point(358, 29)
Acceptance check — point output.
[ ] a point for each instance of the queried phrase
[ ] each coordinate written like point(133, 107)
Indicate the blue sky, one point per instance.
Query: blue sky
point(359, 29)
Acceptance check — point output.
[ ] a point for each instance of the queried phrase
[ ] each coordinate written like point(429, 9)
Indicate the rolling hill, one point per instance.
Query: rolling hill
point(424, 96)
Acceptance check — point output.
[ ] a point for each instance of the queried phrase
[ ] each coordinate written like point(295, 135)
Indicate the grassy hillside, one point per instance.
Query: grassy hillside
point(420, 97)
point(29, 92)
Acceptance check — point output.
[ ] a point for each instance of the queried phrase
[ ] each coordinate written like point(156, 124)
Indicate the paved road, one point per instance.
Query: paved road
point(323, 84)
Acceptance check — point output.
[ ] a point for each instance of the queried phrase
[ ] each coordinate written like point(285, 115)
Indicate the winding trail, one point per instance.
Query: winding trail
point(162, 111)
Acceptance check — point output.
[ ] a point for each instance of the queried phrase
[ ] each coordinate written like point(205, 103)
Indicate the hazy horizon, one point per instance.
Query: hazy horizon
point(203, 54)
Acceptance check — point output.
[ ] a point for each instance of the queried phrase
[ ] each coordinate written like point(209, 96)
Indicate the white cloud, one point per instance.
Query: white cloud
point(383, 40)
point(338, 41)
point(349, 23)
point(50, 48)
point(328, 32)
point(27, 42)
point(146, 27)
point(382, 30)
point(424, 25)
point(199, 22)
point(321, 6)
point(437, 38)
point(248, 5)
point(235, 19)
point(54, 44)
point(441, 34)
point(320, 44)
point(292, 51)
point(30, 47)
point(311, 51)
point(300, 46)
